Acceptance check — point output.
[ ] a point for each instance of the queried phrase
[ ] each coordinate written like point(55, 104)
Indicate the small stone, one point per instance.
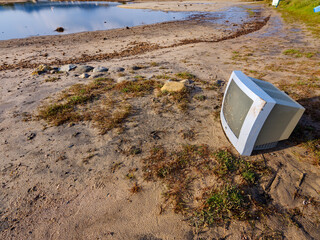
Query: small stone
point(84, 75)
point(219, 83)
point(100, 69)
point(173, 87)
point(67, 68)
point(31, 136)
point(135, 68)
point(84, 68)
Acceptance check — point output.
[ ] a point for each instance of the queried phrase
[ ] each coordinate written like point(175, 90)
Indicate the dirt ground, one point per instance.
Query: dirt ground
point(71, 182)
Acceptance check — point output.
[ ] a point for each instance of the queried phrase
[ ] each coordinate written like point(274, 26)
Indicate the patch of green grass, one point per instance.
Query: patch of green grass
point(136, 88)
point(186, 75)
point(223, 204)
point(298, 53)
point(302, 10)
point(293, 52)
point(200, 97)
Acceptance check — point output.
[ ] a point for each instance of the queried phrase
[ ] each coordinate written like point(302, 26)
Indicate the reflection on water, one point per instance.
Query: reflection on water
point(34, 19)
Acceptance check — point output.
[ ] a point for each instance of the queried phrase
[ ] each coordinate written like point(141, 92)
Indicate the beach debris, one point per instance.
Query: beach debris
point(41, 69)
point(173, 87)
point(31, 136)
point(59, 29)
point(84, 68)
point(275, 3)
point(100, 69)
point(84, 75)
point(67, 68)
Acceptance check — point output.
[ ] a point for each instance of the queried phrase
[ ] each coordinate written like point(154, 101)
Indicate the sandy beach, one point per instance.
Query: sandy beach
point(93, 172)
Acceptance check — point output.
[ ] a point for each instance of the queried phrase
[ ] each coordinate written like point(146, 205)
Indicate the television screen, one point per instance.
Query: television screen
point(236, 107)
point(256, 115)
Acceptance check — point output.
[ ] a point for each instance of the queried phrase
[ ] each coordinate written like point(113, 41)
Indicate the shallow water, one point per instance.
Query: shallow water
point(35, 19)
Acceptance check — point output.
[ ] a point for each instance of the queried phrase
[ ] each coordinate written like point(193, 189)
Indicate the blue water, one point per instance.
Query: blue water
point(37, 19)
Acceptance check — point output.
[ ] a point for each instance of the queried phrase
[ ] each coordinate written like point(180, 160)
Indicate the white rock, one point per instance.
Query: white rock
point(67, 68)
point(84, 75)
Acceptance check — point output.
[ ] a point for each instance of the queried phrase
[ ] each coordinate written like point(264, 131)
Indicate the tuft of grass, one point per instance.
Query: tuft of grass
point(116, 166)
point(52, 79)
point(186, 75)
point(200, 97)
point(298, 53)
point(154, 64)
point(135, 188)
point(137, 88)
point(225, 203)
point(293, 52)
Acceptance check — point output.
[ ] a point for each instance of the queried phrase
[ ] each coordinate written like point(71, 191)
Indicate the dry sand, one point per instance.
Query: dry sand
point(60, 182)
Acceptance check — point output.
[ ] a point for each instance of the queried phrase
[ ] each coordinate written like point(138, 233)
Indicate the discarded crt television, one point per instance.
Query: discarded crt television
point(255, 115)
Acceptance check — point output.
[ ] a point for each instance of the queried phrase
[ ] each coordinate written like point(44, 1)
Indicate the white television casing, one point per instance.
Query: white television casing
point(271, 117)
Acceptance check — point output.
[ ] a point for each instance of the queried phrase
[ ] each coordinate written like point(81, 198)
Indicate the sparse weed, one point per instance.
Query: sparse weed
point(98, 101)
point(135, 188)
point(52, 79)
point(185, 75)
point(179, 170)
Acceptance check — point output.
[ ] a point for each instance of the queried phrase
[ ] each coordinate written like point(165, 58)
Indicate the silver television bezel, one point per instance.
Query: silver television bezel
point(257, 114)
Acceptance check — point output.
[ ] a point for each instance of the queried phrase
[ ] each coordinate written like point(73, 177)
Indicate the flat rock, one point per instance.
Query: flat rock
point(100, 69)
point(84, 68)
point(173, 87)
point(67, 68)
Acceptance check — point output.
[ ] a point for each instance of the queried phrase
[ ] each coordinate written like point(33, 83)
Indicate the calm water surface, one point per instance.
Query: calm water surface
point(35, 19)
